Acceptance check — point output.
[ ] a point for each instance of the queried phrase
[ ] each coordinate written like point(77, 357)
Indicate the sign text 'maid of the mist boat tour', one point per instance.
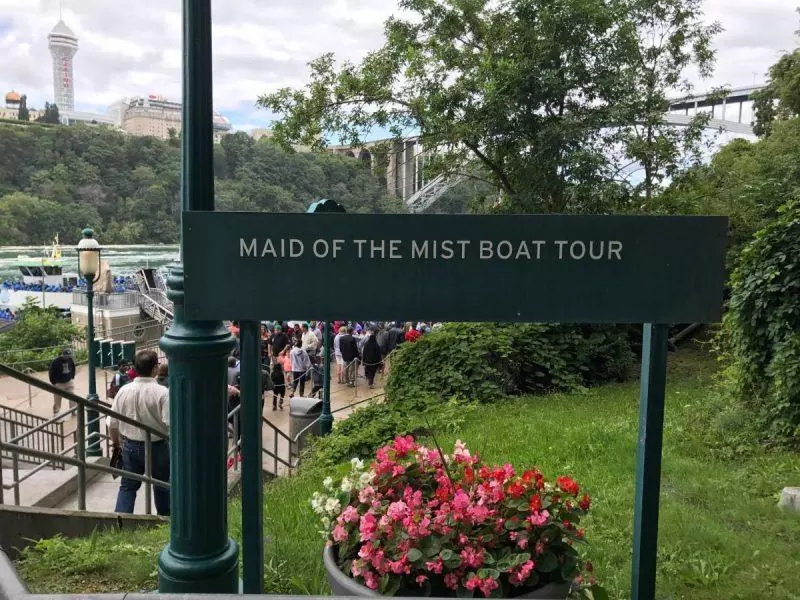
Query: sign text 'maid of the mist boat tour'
point(454, 267)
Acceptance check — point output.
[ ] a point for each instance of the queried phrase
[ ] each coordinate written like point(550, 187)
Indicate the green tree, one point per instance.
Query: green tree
point(521, 90)
point(238, 148)
point(746, 181)
point(50, 114)
point(671, 38)
point(780, 98)
point(24, 114)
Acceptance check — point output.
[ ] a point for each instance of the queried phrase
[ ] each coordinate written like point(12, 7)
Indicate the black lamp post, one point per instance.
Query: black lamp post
point(89, 269)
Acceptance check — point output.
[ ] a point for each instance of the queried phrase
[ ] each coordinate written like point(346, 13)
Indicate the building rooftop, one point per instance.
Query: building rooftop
point(13, 97)
point(62, 29)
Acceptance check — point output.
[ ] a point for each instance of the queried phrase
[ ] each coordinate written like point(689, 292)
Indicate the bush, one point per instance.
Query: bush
point(487, 360)
point(37, 338)
point(762, 327)
point(369, 427)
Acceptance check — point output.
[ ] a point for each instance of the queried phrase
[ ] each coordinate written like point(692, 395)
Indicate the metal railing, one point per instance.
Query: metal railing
point(17, 446)
point(128, 299)
point(33, 431)
point(79, 446)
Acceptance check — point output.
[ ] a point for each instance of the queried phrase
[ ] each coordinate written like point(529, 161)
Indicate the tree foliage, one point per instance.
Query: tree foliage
point(745, 181)
point(521, 92)
point(24, 114)
point(671, 38)
point(780, 98)
point(59, 179)
point(486, 360)
point(763, 323)
point(50, 114)
point(37, 337)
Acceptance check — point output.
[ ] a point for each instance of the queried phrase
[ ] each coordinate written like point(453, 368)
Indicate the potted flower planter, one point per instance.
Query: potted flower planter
point(342, 585)
point(418, 522)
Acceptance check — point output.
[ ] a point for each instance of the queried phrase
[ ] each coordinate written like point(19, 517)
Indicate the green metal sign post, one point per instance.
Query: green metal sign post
point(252, 473)
point(648, 461)
point(200, 557)
point(326, 418)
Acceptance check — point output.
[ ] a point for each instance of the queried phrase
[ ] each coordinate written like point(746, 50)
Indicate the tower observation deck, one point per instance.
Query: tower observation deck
point(63, 45)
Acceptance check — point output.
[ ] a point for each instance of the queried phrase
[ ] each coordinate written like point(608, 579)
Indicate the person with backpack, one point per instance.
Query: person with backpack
point(119, 379)
point(62, 375)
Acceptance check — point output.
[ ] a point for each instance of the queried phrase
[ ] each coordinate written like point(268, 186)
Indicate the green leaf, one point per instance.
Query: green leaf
point(414, 554)
point(547, 563)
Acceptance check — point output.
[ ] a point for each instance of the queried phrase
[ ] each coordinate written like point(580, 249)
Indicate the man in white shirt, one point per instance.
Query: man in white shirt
point(148, 403)
point(309, 340)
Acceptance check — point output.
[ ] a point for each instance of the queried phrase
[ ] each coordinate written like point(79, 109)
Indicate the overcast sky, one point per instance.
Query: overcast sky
point(133, 47)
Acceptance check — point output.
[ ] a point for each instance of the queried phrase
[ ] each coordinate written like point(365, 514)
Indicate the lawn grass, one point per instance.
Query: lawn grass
point(721, 535)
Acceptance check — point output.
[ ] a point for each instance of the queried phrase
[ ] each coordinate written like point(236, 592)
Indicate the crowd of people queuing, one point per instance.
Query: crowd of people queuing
point(292, 355)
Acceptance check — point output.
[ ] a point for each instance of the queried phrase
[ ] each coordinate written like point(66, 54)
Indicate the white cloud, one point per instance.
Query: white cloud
point(260, 45)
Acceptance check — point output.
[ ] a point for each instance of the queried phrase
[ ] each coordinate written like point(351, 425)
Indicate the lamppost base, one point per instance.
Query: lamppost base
point(217, 574)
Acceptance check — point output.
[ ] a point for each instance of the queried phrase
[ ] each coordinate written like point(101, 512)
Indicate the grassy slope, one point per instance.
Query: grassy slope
point(720, 533)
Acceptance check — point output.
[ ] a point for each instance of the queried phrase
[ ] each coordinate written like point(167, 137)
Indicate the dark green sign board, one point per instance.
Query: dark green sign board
point(616, 269)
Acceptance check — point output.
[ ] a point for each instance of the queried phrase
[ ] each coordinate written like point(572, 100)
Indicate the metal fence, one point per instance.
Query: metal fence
point(31, 431)
point(128, 299)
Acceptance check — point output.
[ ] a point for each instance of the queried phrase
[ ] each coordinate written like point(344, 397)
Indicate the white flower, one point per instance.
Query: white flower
point(332, 506)
point(347, 485)
point(365, 479)
point(327, 483)
point(326, 522)
point(357, 464)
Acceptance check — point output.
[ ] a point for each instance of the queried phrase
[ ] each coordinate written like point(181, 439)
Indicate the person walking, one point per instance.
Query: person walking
point(301, 364)
point(279, 341)
point(62, 376)
point(145, 401)
point(371, 355)
point(349, 349)
point(278, 386)
point(119, 379)
point(337, 353)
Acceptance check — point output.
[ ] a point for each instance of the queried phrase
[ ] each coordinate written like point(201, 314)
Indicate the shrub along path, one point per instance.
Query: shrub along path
point(721, 535)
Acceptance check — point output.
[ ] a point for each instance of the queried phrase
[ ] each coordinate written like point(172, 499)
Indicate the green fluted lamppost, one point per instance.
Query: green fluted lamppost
point(200, 557)
point(89, 269)
point(326, 418)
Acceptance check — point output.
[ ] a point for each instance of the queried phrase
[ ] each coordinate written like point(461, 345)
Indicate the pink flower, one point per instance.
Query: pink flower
point(488, 585)
point(539, 518)
point(368, 527)
point(365, 496)
point(350, 515)
point(397, 510)
point(470, 558)
point(539, 548)
point(460, 501)
point(435, 567)
point(421, 579)
point(339, 533)
point(522, 543)
point(522, 573)
point(478, 513)
point(370, 579)
point(451, 581)
point(404, 445)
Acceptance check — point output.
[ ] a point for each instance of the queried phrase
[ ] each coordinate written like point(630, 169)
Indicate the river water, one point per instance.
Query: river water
point(123, 260)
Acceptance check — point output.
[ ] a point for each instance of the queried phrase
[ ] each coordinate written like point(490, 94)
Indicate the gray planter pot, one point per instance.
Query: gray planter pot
point(342, 585)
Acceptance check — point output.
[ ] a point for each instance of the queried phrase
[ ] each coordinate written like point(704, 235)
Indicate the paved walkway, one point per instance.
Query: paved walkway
point(101, 492)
